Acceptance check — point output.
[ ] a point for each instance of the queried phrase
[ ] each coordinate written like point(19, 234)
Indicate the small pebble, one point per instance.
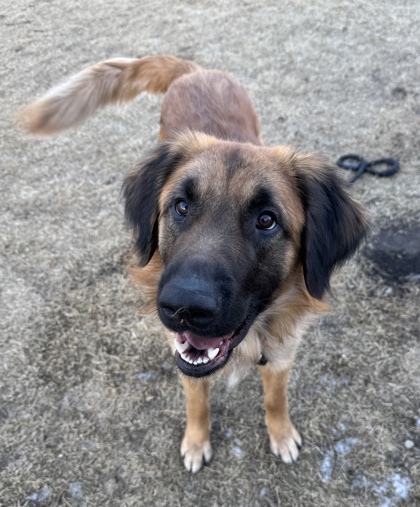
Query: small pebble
point(409, 444)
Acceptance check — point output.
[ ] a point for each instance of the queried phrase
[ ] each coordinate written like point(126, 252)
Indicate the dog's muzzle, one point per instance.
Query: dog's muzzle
point(197, 302)
point(198, 356)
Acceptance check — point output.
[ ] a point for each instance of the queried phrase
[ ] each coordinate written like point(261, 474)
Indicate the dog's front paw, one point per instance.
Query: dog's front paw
point(285, 444)
point(195, 454)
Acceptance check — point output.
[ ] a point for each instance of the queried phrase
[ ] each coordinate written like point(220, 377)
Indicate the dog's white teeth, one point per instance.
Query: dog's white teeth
point(186, 358)
point(181, 347)
point(212, 353)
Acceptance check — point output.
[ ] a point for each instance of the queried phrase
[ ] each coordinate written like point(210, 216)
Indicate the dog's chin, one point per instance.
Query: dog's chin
point(198, 356)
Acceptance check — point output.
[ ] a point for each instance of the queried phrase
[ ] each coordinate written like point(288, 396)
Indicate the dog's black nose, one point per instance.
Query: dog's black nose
point(189, 301)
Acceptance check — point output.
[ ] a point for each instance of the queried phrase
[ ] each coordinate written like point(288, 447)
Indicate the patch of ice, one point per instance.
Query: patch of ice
point(395, 488)
point(326, 467)
point(238, 451)
point(263, 492)
point(401, 485)
point(345, 446)
point(360, 481)
point(327, 383)
point(148, 376)
point(91, 445)
point(342, 428)
point(43, 495)
point(76, 490)
point(342, 447)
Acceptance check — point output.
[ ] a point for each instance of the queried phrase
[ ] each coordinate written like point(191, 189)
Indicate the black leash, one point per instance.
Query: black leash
point(357, 163)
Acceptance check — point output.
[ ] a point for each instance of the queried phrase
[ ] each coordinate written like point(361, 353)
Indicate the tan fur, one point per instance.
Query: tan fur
point(147, 278)
point(284, 439)
point(191, 102)
point(206, 114)
point(277, 332)
point(118, 80)
point(195, 445)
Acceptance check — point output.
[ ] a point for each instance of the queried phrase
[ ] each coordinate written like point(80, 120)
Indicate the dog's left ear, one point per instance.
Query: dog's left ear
point(141, 189)
point(335, 224)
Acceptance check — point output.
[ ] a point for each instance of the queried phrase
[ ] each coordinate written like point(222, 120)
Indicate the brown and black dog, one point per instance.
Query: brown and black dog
point(235, 241)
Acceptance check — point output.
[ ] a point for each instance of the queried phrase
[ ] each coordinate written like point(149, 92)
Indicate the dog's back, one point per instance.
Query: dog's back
point(212, 102)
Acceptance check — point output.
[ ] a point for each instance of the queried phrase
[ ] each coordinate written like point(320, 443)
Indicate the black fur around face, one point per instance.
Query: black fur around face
point(334, 227)
point(141, 191)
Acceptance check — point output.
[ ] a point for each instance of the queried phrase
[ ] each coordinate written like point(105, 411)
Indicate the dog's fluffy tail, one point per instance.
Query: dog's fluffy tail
point(118, 80)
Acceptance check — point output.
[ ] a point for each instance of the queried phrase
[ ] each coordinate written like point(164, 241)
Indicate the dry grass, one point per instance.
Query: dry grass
point(91, 412)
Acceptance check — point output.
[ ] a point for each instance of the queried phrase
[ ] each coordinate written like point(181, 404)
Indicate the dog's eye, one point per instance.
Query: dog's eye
point(266, 221)
point(181, 207)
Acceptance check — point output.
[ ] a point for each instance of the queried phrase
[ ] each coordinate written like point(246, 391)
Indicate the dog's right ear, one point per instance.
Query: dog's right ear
point(141, 189)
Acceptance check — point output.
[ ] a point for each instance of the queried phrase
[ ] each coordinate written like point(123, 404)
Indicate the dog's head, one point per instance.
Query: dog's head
point(232, 224)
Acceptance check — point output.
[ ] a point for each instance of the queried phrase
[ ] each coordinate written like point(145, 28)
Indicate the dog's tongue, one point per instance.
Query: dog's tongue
point(203, 343)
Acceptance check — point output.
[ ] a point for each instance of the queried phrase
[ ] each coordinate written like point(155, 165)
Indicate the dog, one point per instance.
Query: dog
point(234, 241)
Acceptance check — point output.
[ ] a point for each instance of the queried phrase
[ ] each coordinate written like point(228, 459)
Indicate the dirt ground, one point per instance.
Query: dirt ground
point(91, 411)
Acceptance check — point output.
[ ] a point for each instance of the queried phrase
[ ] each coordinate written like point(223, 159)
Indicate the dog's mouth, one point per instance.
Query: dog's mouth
point(198, 356)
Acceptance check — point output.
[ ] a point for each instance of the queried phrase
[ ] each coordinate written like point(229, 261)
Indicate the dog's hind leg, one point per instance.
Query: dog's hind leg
point(195, 447)
point(284, 439)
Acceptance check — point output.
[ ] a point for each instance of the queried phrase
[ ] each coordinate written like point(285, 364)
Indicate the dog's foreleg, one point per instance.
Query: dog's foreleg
point(195, 447)
point(284, 439)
